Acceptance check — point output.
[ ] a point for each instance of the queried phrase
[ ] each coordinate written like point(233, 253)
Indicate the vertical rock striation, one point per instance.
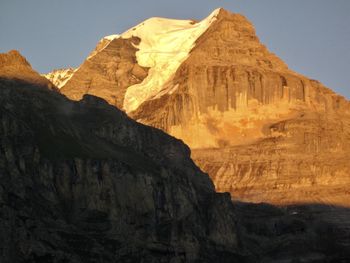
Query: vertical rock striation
point(260, 130)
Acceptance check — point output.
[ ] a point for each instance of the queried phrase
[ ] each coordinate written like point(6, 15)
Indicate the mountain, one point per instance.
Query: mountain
point(59, 77)
point(260, 130)
point(82, 182)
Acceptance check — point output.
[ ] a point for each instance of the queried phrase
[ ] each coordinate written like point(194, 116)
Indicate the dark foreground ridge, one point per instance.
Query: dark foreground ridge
point(81, 182)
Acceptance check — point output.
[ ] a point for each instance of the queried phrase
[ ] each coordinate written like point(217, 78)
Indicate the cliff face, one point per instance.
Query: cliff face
point(109, 70)
point(230, 87)
point(300, 160)
point(261, 131)
point(81, 182)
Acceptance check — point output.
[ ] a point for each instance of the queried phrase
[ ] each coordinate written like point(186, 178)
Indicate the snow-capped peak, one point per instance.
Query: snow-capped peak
point(59, 77)
point(165, 44)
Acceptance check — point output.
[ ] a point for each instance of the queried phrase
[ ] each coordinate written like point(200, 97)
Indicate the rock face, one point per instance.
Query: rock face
point(261, 131)
point(108, 72)
point(81, 182)
point(300, 160)
point(59, 77)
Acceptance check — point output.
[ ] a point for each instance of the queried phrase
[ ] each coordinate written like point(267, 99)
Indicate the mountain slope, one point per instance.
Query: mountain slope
point(109, 70)
point(261, 131)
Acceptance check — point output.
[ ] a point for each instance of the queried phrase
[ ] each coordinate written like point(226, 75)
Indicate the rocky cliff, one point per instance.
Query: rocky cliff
point(261, 131)
point(109, 70)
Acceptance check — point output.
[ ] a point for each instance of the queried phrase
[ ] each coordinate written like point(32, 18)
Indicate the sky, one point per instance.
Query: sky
point(311, 36)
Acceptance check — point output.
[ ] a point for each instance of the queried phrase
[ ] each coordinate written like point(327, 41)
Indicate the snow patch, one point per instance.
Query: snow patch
point(111, 37)
point(165, 44)
point(59, 77)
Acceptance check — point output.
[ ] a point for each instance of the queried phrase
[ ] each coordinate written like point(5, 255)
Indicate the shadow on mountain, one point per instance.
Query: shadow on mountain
point(295, 233)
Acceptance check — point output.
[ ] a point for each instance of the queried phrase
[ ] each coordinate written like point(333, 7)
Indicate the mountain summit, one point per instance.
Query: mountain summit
point(263, 132)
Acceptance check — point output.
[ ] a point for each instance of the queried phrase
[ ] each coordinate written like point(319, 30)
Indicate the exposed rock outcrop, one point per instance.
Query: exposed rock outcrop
point(260, 130)
point(108, 72)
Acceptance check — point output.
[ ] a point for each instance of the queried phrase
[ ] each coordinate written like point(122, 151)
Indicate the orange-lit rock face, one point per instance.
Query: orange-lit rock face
point(262, 132)
point(229, 88)
point(304, 159)
point(14, 66)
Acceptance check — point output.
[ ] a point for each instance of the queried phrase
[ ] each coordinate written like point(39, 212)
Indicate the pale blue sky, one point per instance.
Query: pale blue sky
point(312, 36)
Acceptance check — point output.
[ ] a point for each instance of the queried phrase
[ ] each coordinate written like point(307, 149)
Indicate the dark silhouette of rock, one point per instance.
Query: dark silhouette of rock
point(81, 182)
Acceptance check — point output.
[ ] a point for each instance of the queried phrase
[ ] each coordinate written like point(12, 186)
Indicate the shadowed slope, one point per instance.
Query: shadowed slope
point(81, 182)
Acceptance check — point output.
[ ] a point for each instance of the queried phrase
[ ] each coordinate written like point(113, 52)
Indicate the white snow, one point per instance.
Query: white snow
point(111, 37)
point(59, 77)
point(165, 44)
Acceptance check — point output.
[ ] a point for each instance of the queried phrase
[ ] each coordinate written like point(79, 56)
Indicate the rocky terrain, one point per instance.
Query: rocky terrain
point(260, 130)
point(81, 182)
point(270, 134)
